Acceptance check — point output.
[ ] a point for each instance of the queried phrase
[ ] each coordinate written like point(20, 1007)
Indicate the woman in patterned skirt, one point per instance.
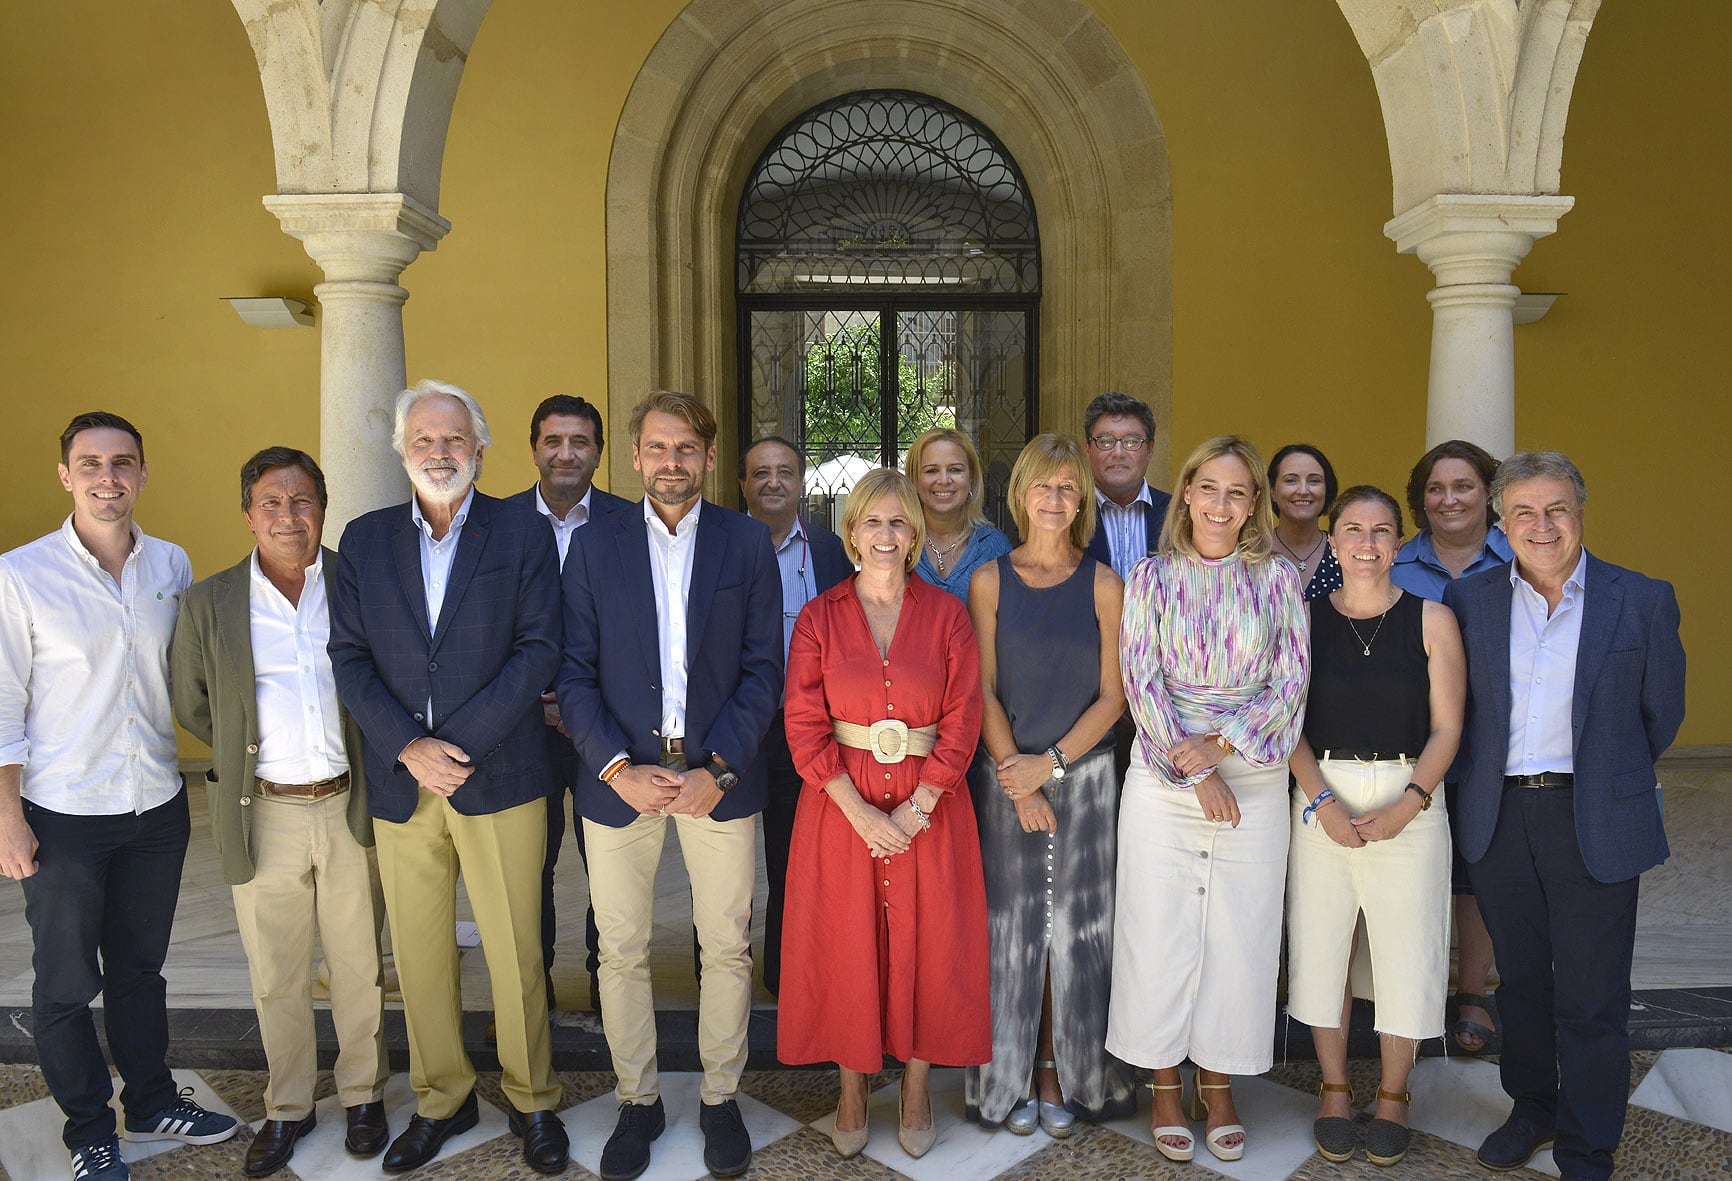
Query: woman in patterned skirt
point(1215, 659)
point(1047, 803)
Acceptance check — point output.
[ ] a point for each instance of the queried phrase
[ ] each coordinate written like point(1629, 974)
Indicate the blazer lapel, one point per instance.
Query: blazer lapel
point(231, 602)
point(632, 538)
point(1604, 597)
point(1494, 634)
point(706, 572)
point(406, 545)
point(473, 540)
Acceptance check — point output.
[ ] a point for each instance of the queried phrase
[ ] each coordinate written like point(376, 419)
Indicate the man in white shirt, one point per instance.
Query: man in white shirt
point(288, 803)
point(566, 442)
point(93, 815)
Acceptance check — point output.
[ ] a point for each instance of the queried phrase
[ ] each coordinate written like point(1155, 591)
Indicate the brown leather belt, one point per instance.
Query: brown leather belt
point(673, 746)
point(308, 792)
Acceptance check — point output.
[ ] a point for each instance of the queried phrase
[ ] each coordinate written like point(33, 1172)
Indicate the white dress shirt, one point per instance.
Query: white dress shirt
point(84, 698)
point(671, 570)
point(1542, 674)
point(1126, 527)
point(437, 556)
point(300, 731)
point(564, 527)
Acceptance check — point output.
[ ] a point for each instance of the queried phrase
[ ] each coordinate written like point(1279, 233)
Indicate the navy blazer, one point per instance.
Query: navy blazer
point(609, 685)
point(1628, 705)
point(484, 668)
point(601, 503)
point(1154, 518)
point(830, 563)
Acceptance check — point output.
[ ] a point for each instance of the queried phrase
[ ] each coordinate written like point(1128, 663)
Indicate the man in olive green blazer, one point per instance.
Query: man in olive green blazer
point(288, 808)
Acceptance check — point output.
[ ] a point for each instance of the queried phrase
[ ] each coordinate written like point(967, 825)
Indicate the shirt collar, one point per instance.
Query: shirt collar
point(1576, 583)
point(541, 505)
point(1142, 497)
point(315, 572)
point(797, 532)
point(686, 525)
point(77, 543)
point(457, 520)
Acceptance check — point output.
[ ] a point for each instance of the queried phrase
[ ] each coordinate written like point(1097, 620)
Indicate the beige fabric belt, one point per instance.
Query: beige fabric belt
point(889, 740)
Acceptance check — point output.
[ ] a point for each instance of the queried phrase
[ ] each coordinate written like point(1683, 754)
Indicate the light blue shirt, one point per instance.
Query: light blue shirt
point(1126, 527)
point(799, 583)
point(985, 544)
point(1418, 570)
point(1542, 674)
point(437, 556)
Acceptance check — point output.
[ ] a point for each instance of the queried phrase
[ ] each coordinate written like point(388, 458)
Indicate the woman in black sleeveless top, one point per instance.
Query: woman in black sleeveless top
point(1047, 801)
point(1383, 719)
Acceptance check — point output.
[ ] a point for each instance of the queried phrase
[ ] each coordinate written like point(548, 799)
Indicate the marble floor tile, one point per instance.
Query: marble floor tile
point(678, 1154)
point(963, 1149)
point(1462, 1101)
point(30, 1147)
point(1694, 1085)
point(1277, 1123)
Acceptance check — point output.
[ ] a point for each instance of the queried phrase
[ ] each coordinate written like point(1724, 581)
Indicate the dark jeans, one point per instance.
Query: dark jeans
point(565, 768)
point(778, 834)
point(100, 908)
point(1564, 943)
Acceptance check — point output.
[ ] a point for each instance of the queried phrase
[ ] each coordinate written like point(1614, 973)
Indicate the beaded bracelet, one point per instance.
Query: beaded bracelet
point(1323, 797)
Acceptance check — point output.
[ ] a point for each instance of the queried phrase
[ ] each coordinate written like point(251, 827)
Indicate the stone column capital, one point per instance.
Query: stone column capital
point(359, 236)
point(1475, 237)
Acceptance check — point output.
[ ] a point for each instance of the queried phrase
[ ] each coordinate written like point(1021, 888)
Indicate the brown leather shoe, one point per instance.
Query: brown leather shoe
point(368, 1131)
point(274, 1143)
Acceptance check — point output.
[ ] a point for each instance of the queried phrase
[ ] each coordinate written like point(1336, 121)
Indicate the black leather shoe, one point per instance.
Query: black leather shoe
point(546, 1148)
point(274, 1143)
point(1514, 1144)
point(627, 1152)
point(727, 1147)
point(368, 1130)
point(421, 1140)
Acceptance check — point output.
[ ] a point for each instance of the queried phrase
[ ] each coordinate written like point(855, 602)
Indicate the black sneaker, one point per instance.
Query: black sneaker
point(99, 1162)
point(627, 1152)
point(727, 1147)
point(182, 1120)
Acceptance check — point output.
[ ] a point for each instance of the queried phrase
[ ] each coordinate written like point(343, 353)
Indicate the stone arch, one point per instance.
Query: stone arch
point(1046, 76)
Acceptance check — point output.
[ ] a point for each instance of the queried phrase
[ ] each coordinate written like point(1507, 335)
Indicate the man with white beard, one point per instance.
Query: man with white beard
point(445, 630)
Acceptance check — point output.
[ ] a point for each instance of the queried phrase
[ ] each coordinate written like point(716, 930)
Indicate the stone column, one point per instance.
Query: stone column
point(1473, 243)
point(362, 241)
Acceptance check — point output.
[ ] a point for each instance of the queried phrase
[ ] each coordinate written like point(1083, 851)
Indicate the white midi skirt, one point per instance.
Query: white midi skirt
point(1197, 928)
point(1401, 886)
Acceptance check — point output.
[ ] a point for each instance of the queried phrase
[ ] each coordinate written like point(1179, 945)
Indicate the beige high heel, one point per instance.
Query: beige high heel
point(916, 1142)
point(1199, 1110)
point(1178, 1155)
point(850, 1144)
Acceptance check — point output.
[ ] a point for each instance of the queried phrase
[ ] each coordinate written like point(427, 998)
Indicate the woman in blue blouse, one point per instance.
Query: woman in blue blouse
point(1449, 490)
point(946, 472)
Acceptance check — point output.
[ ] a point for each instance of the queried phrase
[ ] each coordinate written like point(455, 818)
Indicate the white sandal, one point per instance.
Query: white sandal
point(1200, 1111)
point(1178, 1155)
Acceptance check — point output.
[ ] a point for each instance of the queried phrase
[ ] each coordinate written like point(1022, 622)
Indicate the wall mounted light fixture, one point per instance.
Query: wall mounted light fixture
point(274, 311)
point(1533, 305)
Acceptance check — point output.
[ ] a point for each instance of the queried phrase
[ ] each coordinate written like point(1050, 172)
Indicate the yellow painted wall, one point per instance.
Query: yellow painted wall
point(137, 148)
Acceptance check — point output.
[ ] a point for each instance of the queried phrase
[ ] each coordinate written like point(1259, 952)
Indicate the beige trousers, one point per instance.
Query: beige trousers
point(721, 861)
point(500, 858)
point(309, 867)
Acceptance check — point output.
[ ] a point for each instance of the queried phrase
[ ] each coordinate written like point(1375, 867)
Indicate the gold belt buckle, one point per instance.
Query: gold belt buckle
point(887, 739)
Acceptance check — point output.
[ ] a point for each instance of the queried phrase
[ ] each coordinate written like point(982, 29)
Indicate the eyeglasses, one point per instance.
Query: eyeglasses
point(1130, 443)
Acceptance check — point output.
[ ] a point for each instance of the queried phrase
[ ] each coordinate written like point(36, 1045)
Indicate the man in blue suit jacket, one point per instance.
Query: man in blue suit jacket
point(671, 674)
point(772, 479)
point(444, 632)
point(566, 442)
point(1576, 687)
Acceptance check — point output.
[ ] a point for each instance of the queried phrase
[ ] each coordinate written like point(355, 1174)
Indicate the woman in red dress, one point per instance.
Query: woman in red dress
point(884, 939)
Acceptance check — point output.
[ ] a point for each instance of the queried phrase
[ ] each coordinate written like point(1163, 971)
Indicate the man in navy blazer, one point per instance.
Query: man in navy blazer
point(1576, 687)
point(444, 632)
point(566, 442)
point(772, 477)
point(671, 674)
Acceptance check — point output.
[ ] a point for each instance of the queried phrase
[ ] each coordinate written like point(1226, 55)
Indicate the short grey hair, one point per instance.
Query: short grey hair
point(428, 388)
point(1536, 465)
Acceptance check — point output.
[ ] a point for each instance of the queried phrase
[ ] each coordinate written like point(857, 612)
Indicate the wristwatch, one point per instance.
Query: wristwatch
point(1060, 764)
point(727, 779)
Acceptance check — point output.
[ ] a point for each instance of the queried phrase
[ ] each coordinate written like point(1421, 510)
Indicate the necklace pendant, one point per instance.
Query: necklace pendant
point(1302, 567)
point(1367, 650)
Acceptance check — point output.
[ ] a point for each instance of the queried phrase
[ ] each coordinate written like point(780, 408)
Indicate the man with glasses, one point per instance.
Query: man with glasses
point(1120, 431)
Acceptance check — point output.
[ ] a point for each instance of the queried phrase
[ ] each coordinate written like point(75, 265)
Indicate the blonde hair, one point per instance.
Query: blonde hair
point(1256, 535)
point(976, 475)
point(696, 414)
point(1045, 457)
point(874, 486)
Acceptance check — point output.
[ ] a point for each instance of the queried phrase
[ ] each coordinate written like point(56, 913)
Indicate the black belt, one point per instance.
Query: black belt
point(1344, 753)
point(1543, 779)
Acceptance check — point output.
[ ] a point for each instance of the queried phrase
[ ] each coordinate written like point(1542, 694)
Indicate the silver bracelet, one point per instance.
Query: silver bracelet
point(919, 814)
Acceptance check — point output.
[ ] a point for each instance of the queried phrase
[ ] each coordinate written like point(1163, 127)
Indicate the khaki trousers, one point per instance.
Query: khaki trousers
point(721, 862)
point(307, 866)
point(500, 858)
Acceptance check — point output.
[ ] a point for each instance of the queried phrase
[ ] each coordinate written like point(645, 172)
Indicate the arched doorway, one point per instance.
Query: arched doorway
point(888, 282)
